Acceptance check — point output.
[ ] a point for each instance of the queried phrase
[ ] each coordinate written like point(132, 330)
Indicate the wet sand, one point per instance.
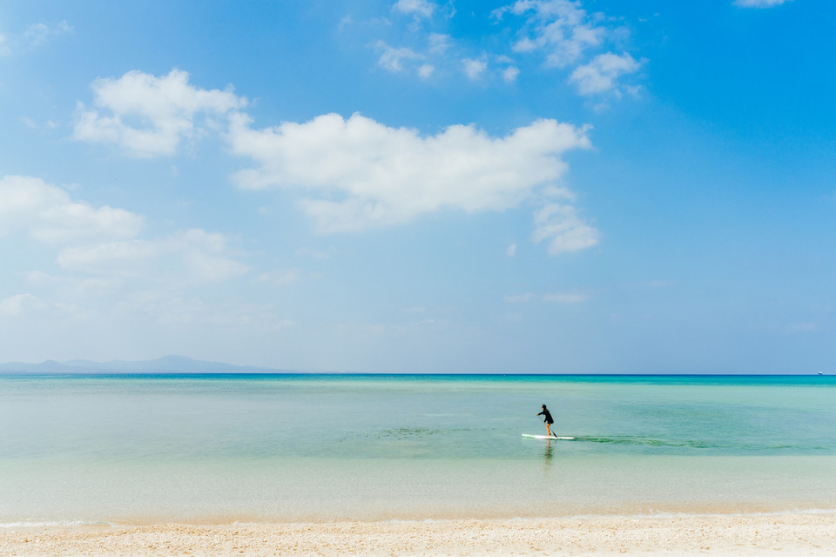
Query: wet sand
point(765, 534)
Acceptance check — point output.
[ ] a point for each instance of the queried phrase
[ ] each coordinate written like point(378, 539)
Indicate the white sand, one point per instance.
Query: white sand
point(780, 534)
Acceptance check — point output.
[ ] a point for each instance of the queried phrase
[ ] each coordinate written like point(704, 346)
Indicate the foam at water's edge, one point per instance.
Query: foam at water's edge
point(44, 524)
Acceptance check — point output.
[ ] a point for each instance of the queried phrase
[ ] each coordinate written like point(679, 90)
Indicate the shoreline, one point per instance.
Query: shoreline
point(797, 533)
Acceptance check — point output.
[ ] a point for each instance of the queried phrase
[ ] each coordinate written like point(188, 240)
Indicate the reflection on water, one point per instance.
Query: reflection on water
point(549, 454)
point(361, 445)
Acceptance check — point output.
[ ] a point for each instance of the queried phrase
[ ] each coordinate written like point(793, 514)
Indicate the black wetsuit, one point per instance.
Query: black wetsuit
point(547, 417)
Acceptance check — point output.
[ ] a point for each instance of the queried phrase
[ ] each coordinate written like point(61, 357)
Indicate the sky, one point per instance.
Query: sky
point(419, 186)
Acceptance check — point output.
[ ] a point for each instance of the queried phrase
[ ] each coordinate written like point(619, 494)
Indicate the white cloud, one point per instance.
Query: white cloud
point(48, 214)
point(393, 59)
point(4, 46)
point(425, 71)
point(473, 68)
point(560, 225)
point(565, 298)
point(166, 109)
point(18, 304)
point(104, 240)
point(601, 73)
point(439, 43)
point(509, 75)
point(40, 33)
point(759, 3)
point(511, 250)
point(359, 174)
point(418, 8)
point(195, 254)
point(566, 36)
point(561, 29)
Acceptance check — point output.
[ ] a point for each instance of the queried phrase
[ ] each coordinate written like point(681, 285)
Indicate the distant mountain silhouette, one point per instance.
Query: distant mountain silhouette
point(167, 364)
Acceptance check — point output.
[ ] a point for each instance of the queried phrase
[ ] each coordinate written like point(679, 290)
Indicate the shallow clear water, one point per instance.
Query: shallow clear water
point(279, 447)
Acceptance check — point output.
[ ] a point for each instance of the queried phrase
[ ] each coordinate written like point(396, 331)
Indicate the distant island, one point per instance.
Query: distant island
point(167, 364)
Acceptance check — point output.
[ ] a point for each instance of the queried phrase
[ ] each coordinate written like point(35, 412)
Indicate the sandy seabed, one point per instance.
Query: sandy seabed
point(778, 534)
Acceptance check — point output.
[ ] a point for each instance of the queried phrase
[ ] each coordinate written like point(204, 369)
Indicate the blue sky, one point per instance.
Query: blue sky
point(536, 186)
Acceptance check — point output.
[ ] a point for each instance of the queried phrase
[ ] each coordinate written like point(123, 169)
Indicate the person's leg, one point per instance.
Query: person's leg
point(548, 429)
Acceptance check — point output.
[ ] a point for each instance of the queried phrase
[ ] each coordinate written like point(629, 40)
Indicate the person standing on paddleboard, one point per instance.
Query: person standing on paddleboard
point(547, 419)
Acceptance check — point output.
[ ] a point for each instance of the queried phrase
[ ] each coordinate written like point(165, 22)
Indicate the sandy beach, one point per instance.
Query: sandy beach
point(779, 534)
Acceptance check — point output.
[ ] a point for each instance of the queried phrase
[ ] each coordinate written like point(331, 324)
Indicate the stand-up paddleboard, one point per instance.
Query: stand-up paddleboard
point(553, 437)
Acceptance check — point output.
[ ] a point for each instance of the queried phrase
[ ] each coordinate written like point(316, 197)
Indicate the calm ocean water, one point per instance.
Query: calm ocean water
point(98, 448)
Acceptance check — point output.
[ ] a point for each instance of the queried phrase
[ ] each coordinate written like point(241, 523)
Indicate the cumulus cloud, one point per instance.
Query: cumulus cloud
point(601, 73)
point(47, 214)
point(474, 68)
point(149, 116)
point(759, 3)
point(358, 173)
point(104, 240)
point(509, 75)
point(40, 33)
point(425, 71)
point(418, 8)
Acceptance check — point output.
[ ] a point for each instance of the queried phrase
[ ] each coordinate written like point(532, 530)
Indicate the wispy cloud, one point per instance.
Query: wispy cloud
point(39, 34)
point(418, 8)
point(554, 298)
point(394, 59)
point(587, 47)
point(4, 46)
point(601, 74)
point(562, 227)
point(759, 3)
point(565, 297)
point(285, 277)
point(566, 35)
point(560, 29)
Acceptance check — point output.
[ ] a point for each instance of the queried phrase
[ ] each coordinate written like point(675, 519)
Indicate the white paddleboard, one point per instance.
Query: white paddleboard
point(553, 437)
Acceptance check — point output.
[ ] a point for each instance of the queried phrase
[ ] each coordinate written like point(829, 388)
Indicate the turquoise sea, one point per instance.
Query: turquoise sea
point(136, 448)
